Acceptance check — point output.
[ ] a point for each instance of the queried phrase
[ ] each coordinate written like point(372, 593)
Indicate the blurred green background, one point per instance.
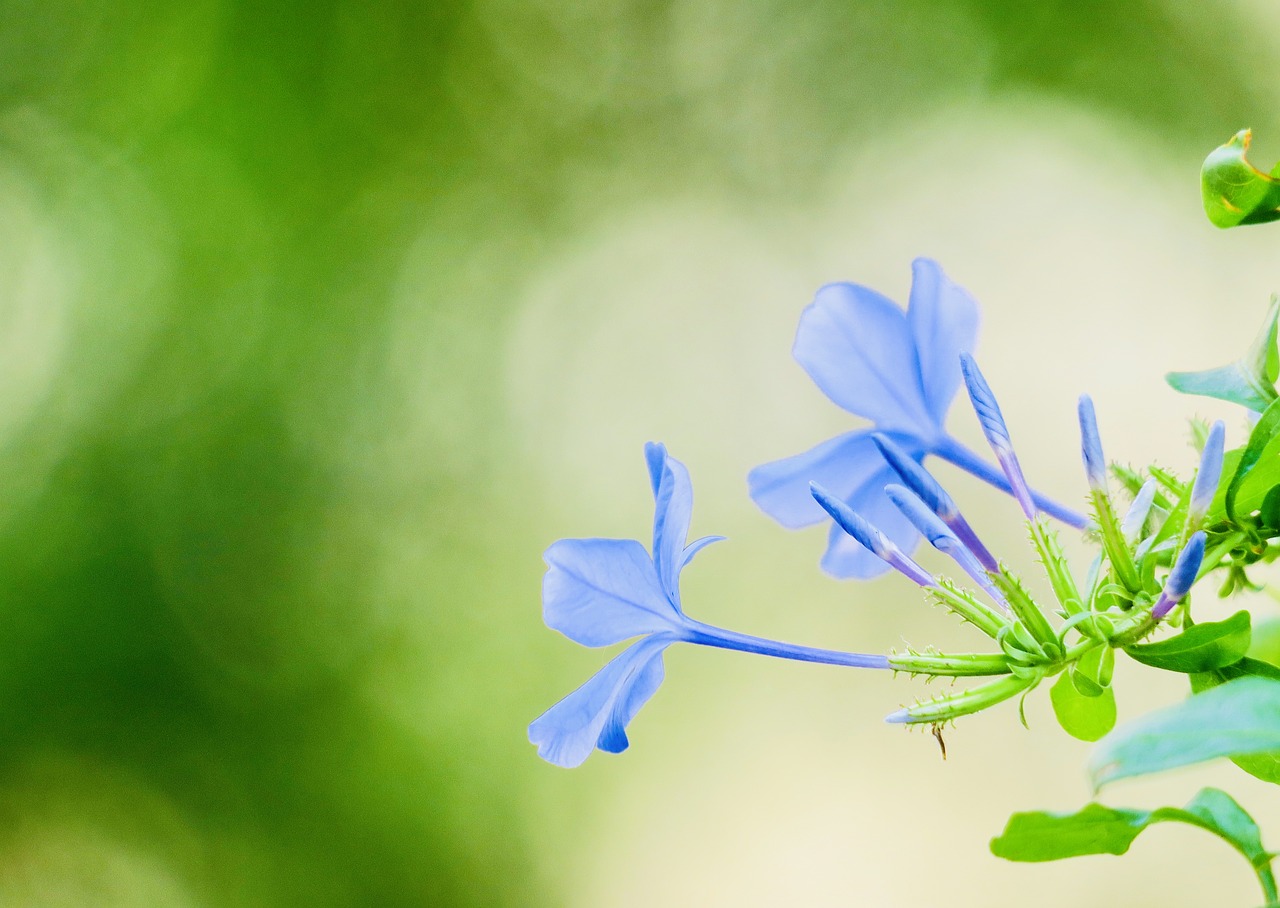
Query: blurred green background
point(318, 322)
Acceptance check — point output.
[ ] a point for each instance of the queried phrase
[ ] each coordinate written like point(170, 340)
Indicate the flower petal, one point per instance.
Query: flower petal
point(856, 346)
point(841, 465)
point(944, 323)
point(697, 546)
point(598, 592)
point(672, 510)
point(597, 713)
point(847, 558)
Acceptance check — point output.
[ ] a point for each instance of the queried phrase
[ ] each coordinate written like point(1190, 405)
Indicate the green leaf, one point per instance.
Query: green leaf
point(1240, 717)
point(1249, 381)
point(1266, 765)
point(1096, 829)
point(1084, 716)
point(1235, 192)
point(1038, 836)
point(1266, 641)
point(1269, 510)
point(1200, 648)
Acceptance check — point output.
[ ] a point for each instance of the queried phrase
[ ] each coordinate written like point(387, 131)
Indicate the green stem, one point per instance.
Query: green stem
point(1267, 880)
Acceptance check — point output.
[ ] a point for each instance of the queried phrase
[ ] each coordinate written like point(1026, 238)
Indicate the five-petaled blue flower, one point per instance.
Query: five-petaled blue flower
point(898, 369)
point(599, 592)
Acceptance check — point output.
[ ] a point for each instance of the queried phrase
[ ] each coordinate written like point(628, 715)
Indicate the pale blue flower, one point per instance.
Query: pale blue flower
point(599, 592)
point(900, 370)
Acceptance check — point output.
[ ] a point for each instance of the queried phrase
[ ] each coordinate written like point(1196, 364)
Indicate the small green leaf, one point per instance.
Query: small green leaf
point(1235, 192)
point(1200, 648)
point(1087, 717)
point(1249, 381)
point(1240, 717)
point(1269, 511)
point(1096, 829)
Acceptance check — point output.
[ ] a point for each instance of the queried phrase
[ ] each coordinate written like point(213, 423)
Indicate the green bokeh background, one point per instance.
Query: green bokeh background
point(318, 322)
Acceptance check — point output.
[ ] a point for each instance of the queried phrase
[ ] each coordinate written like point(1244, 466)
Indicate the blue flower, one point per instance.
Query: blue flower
point(900, 370)
point(599, 592)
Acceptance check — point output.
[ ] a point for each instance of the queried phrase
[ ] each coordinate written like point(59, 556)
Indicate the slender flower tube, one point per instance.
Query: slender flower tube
point(943, 538)
point(1207, 477)
point(919, 481)
point(599, 592)
point(997, 432)
point(1183, 574)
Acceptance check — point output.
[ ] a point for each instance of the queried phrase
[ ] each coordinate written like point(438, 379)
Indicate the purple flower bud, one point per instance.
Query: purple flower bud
point(917, 478)
point(941, 537)
point(927, 489)
point(997, 432)
point(1095, 464)
point(1206, 484)
point(856, 526)
point(1185, 569)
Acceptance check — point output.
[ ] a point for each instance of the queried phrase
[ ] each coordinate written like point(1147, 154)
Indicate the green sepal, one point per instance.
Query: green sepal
point(1128, 477)
point(1027, 611)
point(1249, 381)
point(1199, 648)
point(1045, 539)
point(1235, 192)
point(1085, 717)
point(968, 607)
point(1176, 514)
point(975, 699)
point(1039, 836)
point(960, 665)
point(1113, 541)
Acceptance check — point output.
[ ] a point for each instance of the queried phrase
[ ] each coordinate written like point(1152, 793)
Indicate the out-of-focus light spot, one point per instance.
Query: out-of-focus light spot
point(76, 833)
point(672, 323)
point(37, 276)
point(84, 253)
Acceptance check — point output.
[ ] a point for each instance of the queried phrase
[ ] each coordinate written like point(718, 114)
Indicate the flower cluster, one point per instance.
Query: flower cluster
point(900, 370)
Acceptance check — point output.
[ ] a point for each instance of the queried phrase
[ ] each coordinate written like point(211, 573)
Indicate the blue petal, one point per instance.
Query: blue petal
point(598, 592)
point(597, 713)
point(842, 466)
point(944, 324)
point(672, 510)
point(697, 546)
point(849, 559)
point(856, 346)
